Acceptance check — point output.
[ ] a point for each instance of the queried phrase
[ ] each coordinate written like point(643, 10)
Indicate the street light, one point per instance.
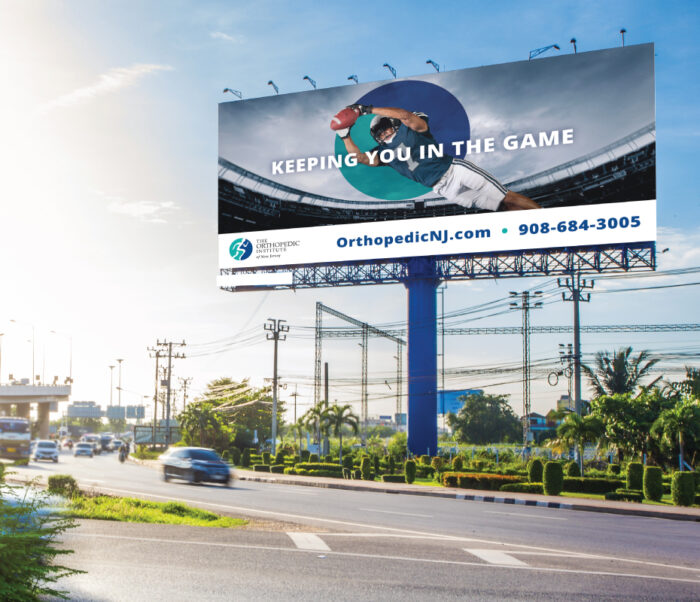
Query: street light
point(234, 92)
point(354, 78)
point(573, 41)
point(434, 64)
point(538, 51)
point(390, 68)
point(119, 388)
point(32, 380)
point(623, 31)
point(111, 373)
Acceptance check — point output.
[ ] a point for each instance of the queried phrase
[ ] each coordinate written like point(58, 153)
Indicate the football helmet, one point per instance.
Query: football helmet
point(380, 123)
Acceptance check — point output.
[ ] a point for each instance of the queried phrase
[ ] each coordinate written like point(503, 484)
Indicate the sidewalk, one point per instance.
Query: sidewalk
point(521, 499)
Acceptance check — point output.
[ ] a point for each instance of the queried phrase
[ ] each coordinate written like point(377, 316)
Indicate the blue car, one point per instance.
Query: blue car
point(196, 465)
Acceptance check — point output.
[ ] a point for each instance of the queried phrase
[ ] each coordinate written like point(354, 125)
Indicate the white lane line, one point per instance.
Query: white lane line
point(524, 515)
point(397, 513)
point(308, 541)
point(161, 542)
point(333, 521)
point(496, 557)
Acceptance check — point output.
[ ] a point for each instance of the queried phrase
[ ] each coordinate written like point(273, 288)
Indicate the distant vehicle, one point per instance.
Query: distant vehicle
point(106, 443)
point(94, 440)
point(116, 444)
point(195, 464)
point(68, 443)
point(84, 449)
point(45, 450)
point(14, 438)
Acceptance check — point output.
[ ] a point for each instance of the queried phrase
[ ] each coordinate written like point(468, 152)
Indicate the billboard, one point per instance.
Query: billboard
point(551, 153)
point(452, 401)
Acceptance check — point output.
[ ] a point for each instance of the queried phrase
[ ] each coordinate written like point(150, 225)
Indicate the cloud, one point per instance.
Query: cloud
point(220, 35)
point(107, 83)
point(154, 212)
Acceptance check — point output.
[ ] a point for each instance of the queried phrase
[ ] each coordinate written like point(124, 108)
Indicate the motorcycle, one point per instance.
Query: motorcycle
point(122, 455)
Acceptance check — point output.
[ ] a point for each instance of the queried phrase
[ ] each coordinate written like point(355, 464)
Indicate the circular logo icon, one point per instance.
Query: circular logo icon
point(447, 121)
point(240, 249)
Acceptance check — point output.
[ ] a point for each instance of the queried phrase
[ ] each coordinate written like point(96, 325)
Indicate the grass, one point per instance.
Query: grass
point(134, 510)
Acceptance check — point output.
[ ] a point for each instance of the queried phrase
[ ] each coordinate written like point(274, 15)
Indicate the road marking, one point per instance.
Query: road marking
point(496, 557)
point(524, 515)
point(308, 541)
point(161, 541)
point(397, 513)
point(333, 521)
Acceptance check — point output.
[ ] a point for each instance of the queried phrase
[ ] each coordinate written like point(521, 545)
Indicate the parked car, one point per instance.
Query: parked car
point(45, 450)
point(195, 464)
point(84, 449)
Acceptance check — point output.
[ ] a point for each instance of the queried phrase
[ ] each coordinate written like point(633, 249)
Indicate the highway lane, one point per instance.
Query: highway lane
point(636, 540)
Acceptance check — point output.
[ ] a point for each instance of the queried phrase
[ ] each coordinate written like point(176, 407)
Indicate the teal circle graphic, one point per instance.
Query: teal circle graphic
point(241, 249)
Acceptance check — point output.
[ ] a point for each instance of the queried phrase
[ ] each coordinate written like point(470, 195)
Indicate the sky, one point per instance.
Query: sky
point(108, 198)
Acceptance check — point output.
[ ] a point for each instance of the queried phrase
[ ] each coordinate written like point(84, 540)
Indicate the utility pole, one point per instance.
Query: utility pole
point(576, 285)
point(566, 358)
point(184, 383)
point(526, 305)
point(119, 388)
point(111, 384)
point(295, 395)
point(275, 329)
point(441, 291)
point(169, 346)
point(156, 355)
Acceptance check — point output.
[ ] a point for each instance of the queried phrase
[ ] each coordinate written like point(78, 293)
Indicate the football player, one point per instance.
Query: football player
point(457, 180)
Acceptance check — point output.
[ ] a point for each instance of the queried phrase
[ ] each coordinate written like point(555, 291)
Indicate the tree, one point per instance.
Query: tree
point(688, 386)
point(619, 372)
point(338, 416)
point(485, 419)
point(577, 430)
point(202, 425)
point(398, 445)
point(680, 423)
point(298, 428)
point(316, 418)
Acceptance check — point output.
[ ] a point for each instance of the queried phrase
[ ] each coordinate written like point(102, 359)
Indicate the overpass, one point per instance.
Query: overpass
point(46, 398)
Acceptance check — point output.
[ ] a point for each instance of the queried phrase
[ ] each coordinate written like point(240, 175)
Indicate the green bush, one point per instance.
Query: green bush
point(437, 463)
point(375, 464)
point(683, 488)
point(475, 480)
point(522, 487)
point(457, 463)
point(624, 495)
point(305, 467)
point(279, 457)
point(653, 483)
point(572, 469)
point(366, 469)
point(424, 472)
point(356, 474)
point(614, 468)
point(346, 472)
point(552, 478)
point(304, 453)
point(425, 460)
point(390, 464)
point(534, 470)
point(289, 470)
point(277, 468)
point(328, 459)
point(409, 469)
point(635, 476)
point(2, 472)
point(313, 458)
point(393, 478)
point(63, 484)
point(245, 458)
point(347, 461)
point(265, 457)
point(586, 485)
point(261, 467)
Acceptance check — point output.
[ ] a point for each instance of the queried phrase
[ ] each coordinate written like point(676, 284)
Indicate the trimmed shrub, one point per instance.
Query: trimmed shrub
point(279, 457)
point(437, 464)
point(346, 473)
point(393, 478)
point(586, 485)
point(266, 457)
point(572, 469)
point(245, 458)
point(2, 472)
point(290, 470)
point(305, 453)
point(335, 474)
point(635, 476)
point(409, 469)
point(552, 478)
point(313, 458)
point(296, 459)
point(534, 470)
point(425, 460)
point(614, 468)
point(347, 461)
point(277, 468)
point(424, 472)
point(523, 487)
point(475, 480)
point(320, 466)
point(328, 459)
point(653, 483)
point(63, 484)
point(683, 488)
point(375, 464)
point(366, 469)
point(261, 467)
point(356, 474)
point(235, 455)
point(624, 495)
point(390, 464)
point(457, 463)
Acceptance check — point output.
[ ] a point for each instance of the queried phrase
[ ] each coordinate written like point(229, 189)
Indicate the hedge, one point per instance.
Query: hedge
point(261, 467)
point(2, 471)
point(534, 470)
point(424, 472)
point(683, 488)
point(305, 453)
point(366, 469)
point(245, 458)
point(320, 466)
point(624, 495)
point(437, 463)
point(476, 480)
point(523, 487)
point(266, 457)
point(572, 469)
point(653, 483)
point(277, 468)
point(587, 485)
point(425, 460)
point(457, 464)
point(62, 484)
point(614, 468)
point(553, 478)
point(635, 475)
point(410, 471)
point(393, 478)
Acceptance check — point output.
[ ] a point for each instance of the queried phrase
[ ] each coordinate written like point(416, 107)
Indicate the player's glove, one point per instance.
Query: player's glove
point(361, 109)
point(344, 133)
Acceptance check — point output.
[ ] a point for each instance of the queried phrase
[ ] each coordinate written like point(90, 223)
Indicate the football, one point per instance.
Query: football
point(344, 119)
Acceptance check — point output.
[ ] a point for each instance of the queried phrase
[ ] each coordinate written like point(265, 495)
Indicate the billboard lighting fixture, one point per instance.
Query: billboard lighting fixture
point(234, 92)
point(311, 81)
point(623, 31)
point(274, 86)
point(354, 78)
point(434, 64)
point(538, 51)
point(573, 41)
point(390, 68)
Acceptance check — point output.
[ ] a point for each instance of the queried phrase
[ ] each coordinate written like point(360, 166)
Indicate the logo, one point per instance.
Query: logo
point(240, 249)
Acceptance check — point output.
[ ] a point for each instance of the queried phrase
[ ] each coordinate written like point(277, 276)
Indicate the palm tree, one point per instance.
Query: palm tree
point(199, 416)
point(578, 431)
point(317, 419)
point(681, 422)
point(619, 372)
point(298, 428)
point(338, 416)
point(689, 386)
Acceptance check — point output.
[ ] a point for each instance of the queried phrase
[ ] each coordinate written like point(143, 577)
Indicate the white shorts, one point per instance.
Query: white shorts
point(470, 186)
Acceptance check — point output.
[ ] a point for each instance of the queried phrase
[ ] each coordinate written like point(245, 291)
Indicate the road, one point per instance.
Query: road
point(370, 543)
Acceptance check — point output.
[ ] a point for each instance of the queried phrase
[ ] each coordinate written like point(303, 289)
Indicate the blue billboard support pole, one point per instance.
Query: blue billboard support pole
point(421, 283)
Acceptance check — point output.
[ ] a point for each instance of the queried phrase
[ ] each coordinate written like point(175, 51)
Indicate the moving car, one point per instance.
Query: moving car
point(106, 443)
point(84, 449)
point(94, 440)
point(116, 444)
point(195, 464)
point(45, 450)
